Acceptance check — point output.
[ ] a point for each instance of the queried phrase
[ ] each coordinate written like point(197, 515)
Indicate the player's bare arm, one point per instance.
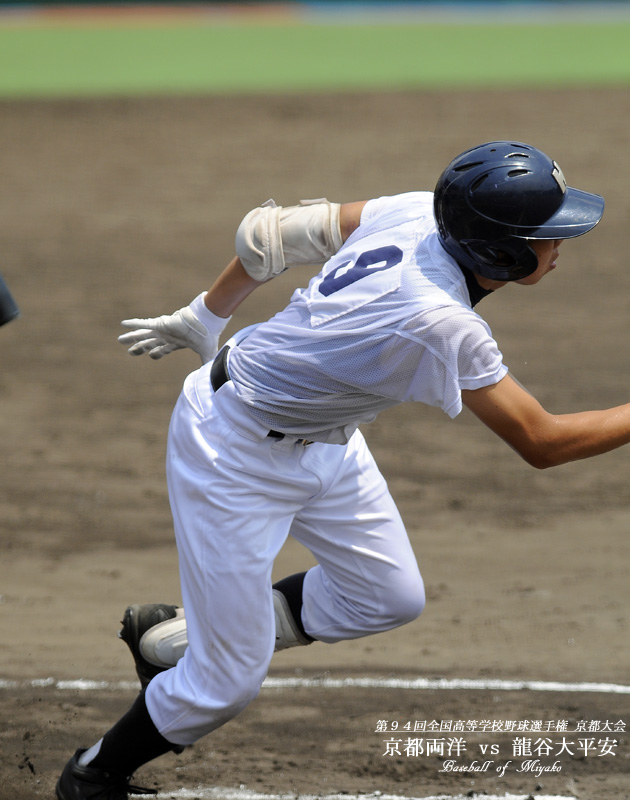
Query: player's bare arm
point(230, 289)
point(543, 439)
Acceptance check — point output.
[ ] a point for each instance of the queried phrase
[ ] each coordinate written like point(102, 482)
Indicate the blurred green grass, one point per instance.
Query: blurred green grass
point(109, 59)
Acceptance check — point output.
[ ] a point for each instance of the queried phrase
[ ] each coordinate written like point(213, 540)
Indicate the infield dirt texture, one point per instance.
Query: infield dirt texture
point(117, 208)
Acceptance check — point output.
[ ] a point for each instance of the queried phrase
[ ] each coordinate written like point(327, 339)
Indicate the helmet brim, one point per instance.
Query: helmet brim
point(579, 213)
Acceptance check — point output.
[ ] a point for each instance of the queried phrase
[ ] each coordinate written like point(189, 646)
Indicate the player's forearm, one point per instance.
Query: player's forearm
point(571, 437)
point(543, 439)
point(230, 289)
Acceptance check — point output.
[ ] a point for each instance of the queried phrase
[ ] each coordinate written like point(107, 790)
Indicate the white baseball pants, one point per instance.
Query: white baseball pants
point(236, 494)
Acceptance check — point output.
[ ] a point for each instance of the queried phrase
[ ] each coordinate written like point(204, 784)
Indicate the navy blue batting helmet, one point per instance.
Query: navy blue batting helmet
point(491, 199)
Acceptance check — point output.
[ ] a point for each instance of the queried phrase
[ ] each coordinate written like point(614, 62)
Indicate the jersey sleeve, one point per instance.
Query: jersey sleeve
point(458, 353)
point(384, 205)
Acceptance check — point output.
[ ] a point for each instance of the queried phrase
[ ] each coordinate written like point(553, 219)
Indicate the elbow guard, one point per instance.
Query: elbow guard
point(271, 238)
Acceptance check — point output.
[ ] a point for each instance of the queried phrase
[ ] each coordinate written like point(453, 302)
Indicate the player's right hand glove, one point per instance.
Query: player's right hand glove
point(193, 326)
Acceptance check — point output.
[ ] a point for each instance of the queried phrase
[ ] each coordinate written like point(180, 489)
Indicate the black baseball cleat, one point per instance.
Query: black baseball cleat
point(87, 783)
point(136, 622)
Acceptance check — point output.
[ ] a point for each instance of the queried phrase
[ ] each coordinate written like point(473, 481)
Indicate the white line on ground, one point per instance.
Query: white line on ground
point(446, 683)
point(217, 793)
point(419, 684)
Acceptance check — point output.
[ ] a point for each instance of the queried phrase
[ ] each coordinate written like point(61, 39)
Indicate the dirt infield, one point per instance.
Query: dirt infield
point(122, 208)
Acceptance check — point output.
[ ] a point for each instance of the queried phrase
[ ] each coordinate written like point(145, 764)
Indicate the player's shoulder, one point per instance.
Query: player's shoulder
point(411, 204)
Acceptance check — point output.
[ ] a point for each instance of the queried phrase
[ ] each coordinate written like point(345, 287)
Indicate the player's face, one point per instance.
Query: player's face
point(547, 252)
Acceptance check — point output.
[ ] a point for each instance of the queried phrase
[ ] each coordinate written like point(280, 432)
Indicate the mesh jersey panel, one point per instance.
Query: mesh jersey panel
point(388, 320)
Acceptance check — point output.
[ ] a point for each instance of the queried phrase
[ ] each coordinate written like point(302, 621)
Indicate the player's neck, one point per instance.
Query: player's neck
point(488, 283)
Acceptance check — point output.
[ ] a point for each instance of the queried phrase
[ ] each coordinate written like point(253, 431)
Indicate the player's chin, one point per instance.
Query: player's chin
point(536, 277)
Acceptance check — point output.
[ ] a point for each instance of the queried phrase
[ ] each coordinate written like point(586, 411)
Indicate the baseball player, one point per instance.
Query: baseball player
point(264, 440)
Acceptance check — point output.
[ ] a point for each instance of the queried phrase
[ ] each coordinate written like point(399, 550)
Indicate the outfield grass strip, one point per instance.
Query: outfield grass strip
point(96, 61)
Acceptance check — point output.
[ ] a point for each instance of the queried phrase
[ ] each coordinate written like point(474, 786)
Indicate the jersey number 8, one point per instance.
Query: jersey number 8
point(338, 279)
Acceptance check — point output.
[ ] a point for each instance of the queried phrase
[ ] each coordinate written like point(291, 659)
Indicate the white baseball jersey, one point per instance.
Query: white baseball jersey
point(387, 320)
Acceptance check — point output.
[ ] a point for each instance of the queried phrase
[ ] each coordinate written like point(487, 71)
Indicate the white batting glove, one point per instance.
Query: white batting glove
point(193, 326)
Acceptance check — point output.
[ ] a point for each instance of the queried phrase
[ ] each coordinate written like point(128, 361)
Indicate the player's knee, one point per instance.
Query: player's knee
point(233, 703)
point(406, 602)
point(399, 603)
point(218, 702)
point(217, 711)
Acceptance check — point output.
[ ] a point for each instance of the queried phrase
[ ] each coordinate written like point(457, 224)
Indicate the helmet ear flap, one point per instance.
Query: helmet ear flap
point(487, 253)
point(503, 260)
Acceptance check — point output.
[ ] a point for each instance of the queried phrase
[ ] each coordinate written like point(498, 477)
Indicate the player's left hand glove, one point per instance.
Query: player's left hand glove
point(193, 326)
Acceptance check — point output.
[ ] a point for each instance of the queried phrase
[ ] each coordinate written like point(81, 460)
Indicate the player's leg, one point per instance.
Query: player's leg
point(233, 496)
point(232, 502)
point(367, 579)
point(366, 565)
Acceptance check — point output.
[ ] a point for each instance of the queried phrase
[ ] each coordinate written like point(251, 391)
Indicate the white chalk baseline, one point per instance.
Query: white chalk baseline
point(217, 793)
point(328, 682)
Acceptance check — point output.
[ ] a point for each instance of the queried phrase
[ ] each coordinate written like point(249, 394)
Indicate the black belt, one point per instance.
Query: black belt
point(219, 375)
point(218, 371)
